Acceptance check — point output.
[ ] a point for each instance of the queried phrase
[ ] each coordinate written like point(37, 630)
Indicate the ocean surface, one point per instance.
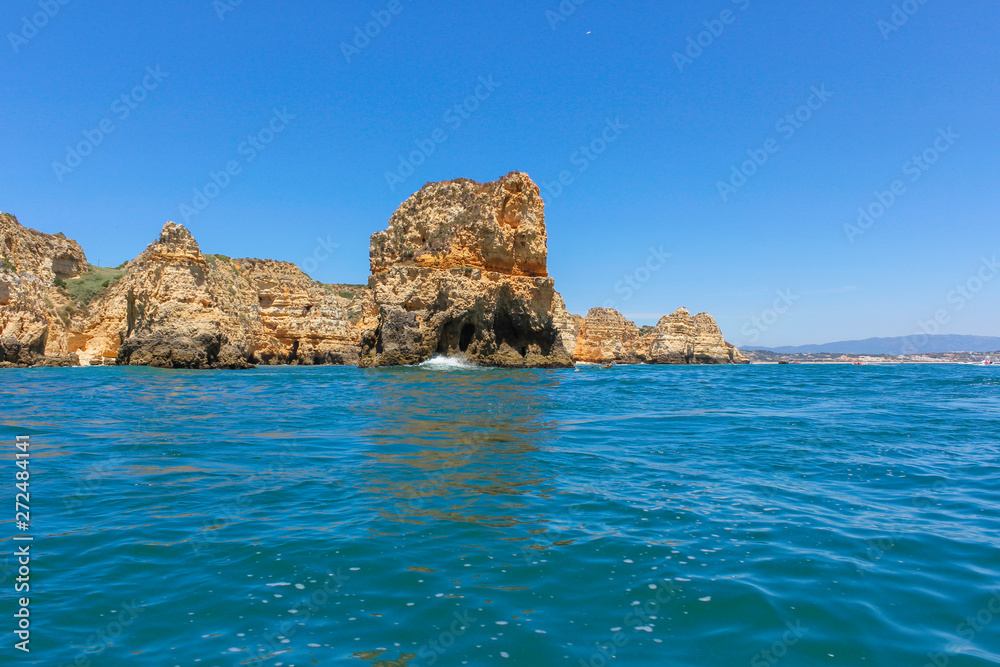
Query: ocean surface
point(440, 515)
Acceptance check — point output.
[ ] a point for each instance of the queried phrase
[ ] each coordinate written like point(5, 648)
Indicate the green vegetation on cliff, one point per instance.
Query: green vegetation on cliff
point(91, 284)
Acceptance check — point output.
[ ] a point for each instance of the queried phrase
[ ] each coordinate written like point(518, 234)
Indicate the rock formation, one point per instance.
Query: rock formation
point(33, 322)
point(606, 336)
point(681, 339)
point(461, 270)
point(171, 307)
point(178, 308)
point(566, 324)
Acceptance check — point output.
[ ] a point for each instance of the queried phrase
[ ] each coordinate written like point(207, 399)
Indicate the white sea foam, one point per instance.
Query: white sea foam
point(443, 363)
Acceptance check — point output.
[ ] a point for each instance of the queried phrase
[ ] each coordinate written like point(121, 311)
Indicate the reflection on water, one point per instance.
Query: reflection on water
point(457, 445)
point(339, 516)
point(373, 657)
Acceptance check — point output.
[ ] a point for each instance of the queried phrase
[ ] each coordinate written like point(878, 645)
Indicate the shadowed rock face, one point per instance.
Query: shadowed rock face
point(461, 270)
point(678, 338)
point(167, 349)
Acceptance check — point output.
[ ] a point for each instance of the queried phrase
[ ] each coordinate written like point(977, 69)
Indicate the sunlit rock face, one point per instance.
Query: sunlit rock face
point(606, 336)
point(680, 338)
point(461, 270)
point(33, 310)
point(177, 308)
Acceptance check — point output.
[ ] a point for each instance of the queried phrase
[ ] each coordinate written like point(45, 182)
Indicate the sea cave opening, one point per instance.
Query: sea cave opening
point(465, 337)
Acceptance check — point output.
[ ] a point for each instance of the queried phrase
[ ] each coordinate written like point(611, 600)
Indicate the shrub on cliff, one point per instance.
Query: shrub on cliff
point(90, 285)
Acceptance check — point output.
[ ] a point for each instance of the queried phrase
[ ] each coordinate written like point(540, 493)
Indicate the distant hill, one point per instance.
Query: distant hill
point(898, 345)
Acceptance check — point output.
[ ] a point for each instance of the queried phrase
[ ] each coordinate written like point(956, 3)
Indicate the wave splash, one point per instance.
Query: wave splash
point(443, 363)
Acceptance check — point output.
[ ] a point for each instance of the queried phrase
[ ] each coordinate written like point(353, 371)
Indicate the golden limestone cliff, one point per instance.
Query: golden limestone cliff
point(170, 307)
point(33, 310)
point(606, 336)
point(461, 271)
point(178, 308)
point(566, 324)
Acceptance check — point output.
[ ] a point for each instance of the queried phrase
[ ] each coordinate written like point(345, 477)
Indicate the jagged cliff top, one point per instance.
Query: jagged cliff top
point(47, 256)
point(175, 243)
point(498, 226)
point(53, 299)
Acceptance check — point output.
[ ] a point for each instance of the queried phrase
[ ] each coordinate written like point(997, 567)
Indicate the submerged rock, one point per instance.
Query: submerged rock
point(461, 271)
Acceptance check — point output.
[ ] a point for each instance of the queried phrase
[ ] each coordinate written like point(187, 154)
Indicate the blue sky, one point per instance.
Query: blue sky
point(597, 90)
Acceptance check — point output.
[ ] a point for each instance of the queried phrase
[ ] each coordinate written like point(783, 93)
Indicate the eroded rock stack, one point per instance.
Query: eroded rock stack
point(173, 309)
point(606, 336)
point(461, 270)
point(178, 308)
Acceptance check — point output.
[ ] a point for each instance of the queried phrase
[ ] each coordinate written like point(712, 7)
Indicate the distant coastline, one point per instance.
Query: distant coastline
point(826, 358)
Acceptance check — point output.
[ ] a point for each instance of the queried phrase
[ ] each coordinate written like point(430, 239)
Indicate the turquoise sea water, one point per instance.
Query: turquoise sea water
point(754, 515)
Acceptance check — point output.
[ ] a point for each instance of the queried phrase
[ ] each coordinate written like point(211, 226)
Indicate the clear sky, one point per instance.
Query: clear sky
point(647, 106)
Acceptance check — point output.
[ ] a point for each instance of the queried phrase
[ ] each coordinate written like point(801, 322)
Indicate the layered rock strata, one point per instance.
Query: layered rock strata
point(32, 307)
point(606, 336)
point(461, 270)
point(178, 308)
point(171, 307)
